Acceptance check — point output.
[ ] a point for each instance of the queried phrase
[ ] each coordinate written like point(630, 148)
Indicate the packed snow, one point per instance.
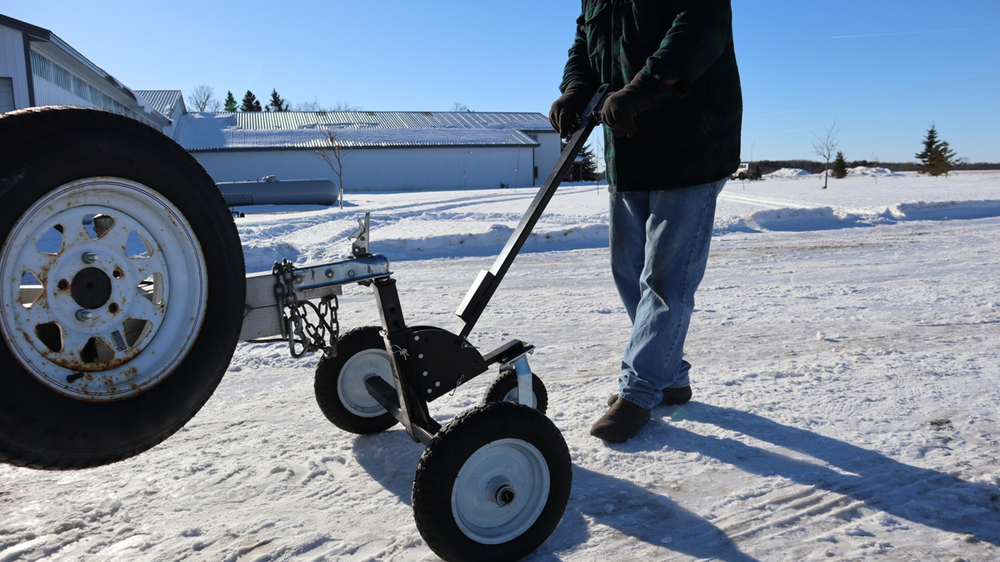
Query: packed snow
point(845, 349)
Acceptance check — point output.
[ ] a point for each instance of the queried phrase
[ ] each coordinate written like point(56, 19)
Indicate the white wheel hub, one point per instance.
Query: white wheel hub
point(500, 491)
point(104, 287)
point(351, 387)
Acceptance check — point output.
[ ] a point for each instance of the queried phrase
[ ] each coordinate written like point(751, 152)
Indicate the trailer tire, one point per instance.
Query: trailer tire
point(504, 389)
point(492, 484)
point(113, 239)
point(339, 384)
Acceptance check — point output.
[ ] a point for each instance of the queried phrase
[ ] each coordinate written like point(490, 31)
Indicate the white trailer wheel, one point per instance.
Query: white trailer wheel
point(340, 382)
point(121, 288)
point(492, 484)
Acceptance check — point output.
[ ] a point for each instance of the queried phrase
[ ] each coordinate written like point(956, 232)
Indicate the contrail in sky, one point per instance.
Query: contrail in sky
point(913, 32)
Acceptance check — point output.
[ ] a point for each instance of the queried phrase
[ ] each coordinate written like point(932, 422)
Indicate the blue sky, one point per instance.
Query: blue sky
point(881, 71)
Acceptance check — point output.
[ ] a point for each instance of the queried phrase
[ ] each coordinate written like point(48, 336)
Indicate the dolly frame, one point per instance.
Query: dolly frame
point(419, 368)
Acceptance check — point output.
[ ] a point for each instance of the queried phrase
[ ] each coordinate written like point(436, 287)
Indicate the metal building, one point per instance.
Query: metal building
point(169, 103)
point(380, 151)
point(38, 68)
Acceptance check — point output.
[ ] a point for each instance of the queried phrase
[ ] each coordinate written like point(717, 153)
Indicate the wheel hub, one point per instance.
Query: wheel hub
point(91, 288)
point(487, 496)
point(502, 492)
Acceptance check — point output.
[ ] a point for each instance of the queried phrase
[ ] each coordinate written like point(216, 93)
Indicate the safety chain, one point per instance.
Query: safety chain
point(303, 335)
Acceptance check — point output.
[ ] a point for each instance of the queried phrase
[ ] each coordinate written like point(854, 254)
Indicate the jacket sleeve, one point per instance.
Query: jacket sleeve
point(578, 72)
point(698, 35)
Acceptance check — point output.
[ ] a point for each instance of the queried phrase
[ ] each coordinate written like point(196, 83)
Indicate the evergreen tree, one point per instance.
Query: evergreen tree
point(840, 166)
point(588, 168)
point(230, 103)
point(276, 103)
point(937, 157)
point(250, 103)
point(755, 173)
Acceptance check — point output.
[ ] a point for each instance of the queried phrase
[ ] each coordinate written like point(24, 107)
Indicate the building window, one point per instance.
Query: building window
point(51, 71)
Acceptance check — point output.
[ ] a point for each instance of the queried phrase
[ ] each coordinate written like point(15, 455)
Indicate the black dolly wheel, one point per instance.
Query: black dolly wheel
point(504, 389)
point(340, 382)
point(121, 284)
point(492, 484)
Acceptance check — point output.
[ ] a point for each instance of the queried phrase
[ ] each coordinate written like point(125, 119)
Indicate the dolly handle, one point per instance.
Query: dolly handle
point(486, 283)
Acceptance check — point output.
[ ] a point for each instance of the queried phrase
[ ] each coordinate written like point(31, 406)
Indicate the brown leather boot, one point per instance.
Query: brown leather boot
point(621, 422)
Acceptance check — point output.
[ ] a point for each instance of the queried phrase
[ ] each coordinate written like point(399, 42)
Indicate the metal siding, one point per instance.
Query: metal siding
point(6, 94)
point(12, 64)
point(47, 93)
point(546, 154)
point(381, 170)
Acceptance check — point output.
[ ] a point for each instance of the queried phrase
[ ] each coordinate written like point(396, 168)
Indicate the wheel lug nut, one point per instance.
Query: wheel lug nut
point(89, 257)
point(84, 314)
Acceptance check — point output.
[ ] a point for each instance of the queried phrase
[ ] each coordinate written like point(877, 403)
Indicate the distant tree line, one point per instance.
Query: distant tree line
point(202, 98)
point(936, 158)
point(813, 167)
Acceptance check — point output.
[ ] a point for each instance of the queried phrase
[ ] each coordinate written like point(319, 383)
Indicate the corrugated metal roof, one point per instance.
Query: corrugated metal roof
point(162, 101)
point(356, 129)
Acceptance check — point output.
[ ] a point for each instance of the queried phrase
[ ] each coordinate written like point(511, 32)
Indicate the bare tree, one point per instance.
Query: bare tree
point(460, 108)
point(309, 106)
point(317, 107)
point(825, 148)
point(334, 157)
point(203, 98)
point(343, 106)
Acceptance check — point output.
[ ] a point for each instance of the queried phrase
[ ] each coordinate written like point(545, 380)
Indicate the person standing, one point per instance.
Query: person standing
point(672, 136)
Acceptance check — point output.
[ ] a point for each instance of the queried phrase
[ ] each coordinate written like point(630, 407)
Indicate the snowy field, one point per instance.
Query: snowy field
point(845, 346)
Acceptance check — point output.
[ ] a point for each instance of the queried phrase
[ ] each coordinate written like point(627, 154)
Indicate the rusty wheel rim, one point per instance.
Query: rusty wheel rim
point(104, 288)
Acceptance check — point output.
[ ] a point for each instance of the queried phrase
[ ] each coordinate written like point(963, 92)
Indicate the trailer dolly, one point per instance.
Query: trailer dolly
point(123, 300)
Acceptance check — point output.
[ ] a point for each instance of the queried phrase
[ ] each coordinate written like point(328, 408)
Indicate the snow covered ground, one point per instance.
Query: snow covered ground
point(845, 347)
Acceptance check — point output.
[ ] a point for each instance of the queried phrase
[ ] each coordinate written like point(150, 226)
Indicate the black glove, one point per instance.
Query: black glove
point(622, 106)
point(565, 113)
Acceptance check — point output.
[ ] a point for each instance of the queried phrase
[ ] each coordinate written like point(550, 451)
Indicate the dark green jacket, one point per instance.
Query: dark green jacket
point(692, 136)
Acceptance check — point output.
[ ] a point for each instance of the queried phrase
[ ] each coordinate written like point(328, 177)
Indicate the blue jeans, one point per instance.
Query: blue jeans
point(659, 248)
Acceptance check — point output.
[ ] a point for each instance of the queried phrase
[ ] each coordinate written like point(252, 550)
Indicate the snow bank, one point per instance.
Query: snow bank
point(867, 171)
point(945, 210)
point(424, 225)
point(787, 173)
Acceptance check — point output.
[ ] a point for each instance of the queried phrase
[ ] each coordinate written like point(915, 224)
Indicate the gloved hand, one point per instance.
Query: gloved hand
point(565, 112)
point(622, 106)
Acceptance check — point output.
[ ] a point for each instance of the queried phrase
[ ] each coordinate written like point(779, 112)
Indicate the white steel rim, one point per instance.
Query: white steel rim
point(507, 466)
point(514, 396)
point(104, 288)
point(351, 387)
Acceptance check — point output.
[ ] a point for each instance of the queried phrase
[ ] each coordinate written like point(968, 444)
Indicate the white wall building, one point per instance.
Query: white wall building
point(37, 68)
point(381, 151)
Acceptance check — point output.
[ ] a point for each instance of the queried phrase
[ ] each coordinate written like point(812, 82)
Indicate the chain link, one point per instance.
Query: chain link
point(302, 333)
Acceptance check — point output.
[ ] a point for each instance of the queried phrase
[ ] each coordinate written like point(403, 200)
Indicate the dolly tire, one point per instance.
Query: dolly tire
point(504, 389)
point(492, 484)
point(340, 382)
point(122, 287)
